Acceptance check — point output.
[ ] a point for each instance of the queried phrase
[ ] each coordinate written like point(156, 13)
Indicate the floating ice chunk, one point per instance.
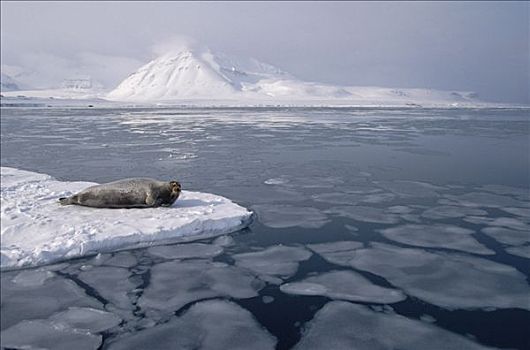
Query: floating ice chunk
point(32, 301)
point(339, 253)
point(378, 197)
point(447, 280)
point(121, 259)
point(507, 236)
point(112, 283)
point(87, 319)
point(32, 278)
point(341, 325)
point(267, 299)
point(523, 251)
point(276, 181)
point(211, 324)
point(282, 216)
point(436, 236)
point(278, 261)
point(410, 188)
point(483, 199)
point(176, 283)
point(224, 241)
point(366, 214)
point(37, 230)
point(513, 223)
point(345, 285)
point(501, 189)
point(186, 251)
point(400, 209)
point(41, 334)
point(338, 198)
point(444, 212)
point(522, 212)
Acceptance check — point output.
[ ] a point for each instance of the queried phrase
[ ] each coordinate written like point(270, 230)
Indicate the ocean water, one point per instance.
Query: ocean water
point(370, 224)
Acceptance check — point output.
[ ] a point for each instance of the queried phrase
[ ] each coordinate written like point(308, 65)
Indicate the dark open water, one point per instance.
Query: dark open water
point(446, 192)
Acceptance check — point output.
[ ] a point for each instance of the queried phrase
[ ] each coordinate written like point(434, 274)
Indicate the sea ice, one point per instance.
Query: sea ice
point(282, 216)
point(213, 324)
point(436, 236)
point(186, 251)
point(32, 300)
point(365, 214)
point(341, 325)
point(410, 188)
point(83, 318)
point(448, 280)
point(176, 283)
point(483, 199)
point(277, 261)
point(41, 334)
point(507, 236)
point(37, 230)
point(112, 283)
point(339, 253)
point(445, 212)
point(523, 251)
point(345, 285)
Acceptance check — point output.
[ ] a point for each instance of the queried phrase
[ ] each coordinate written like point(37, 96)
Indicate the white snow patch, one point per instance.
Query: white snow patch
point(37, 230)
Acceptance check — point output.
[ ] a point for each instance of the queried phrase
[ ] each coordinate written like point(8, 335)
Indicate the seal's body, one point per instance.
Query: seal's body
point(127, 193)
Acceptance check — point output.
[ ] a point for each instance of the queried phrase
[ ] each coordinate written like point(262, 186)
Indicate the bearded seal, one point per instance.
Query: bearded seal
point(127, 193)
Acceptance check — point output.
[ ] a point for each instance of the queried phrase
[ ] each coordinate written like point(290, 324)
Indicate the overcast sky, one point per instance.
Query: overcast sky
point(478, 46)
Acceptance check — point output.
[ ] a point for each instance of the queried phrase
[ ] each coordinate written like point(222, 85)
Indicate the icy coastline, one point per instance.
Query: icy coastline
point(36, 230)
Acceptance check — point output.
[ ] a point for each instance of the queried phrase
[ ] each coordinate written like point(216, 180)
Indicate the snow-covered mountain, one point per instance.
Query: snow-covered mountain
point(7, 83)
point(191, 74)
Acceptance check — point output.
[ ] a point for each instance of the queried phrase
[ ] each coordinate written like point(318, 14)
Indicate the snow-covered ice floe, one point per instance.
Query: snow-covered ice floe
point(37, 230)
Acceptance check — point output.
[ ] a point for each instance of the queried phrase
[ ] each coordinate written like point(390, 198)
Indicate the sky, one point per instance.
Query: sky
point(469, 46)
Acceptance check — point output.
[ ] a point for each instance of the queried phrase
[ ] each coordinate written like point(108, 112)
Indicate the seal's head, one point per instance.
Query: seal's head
point(174, 191)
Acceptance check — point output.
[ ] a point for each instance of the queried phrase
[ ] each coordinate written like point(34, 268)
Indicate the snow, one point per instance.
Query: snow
point(448, 280)
point(345, 285)
point(437, 236)
point(340, 326)
point(213, 324)
point(37, 230)
point(200, 74)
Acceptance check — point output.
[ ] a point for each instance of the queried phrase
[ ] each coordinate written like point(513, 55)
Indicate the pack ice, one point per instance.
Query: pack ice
point(37, 230)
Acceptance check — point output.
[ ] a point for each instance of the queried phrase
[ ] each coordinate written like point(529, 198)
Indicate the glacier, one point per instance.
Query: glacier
point(37, 230)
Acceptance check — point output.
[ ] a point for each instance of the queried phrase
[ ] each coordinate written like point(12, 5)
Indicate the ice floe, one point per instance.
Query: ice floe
point(341, 325)
point(177, 283)
point(365, 214)
point(448, 280)
point(41, 334)
point(445, 212)
point(486, 200)
point(88, 319)
point(213, 324)
point(282, 216)
point(339, 253)
point(436, 236)
point(345, 285)
point(277, 261)
point(36, 294)
point(507, 236)
point(37, 230)
point(186, 251)
point(523, 251)
point(410, 188)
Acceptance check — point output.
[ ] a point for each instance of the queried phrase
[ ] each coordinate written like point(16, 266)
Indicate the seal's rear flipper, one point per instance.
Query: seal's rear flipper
point(65, 200)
